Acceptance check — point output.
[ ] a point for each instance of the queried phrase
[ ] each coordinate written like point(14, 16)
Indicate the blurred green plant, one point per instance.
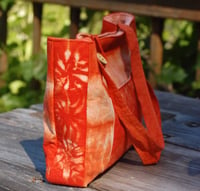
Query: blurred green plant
point(6, 4)
point(26, 74)
point(180, 57)
point(25, 82)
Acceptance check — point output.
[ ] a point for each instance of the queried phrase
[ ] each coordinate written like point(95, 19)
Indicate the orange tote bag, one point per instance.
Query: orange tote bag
point(96, 97)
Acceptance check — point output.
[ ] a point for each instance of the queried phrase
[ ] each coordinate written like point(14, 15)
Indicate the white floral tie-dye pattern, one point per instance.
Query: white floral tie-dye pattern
point(79, 129)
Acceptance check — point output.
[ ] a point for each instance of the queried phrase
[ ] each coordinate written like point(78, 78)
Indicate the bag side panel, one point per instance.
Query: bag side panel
point(70, 79)
point(49, 141)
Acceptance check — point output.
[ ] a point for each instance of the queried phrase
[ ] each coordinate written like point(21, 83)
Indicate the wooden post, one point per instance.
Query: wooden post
point(3, 37)
point(37, 25)
point(156, 50)
point(198, 53)
point(75, 18)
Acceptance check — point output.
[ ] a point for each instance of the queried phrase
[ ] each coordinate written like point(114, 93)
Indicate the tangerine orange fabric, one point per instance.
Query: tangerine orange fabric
point(93, 110)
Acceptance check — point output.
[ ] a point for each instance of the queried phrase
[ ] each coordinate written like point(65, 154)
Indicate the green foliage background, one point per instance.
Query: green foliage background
point(25, 76)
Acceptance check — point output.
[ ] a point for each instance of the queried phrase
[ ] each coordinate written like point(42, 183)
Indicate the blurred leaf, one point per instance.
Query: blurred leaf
point(196, 85)
point(9, 101)
point(26, 70)
point(6, 4)
point(16, 85)
point(172, 73)
point(39, 66)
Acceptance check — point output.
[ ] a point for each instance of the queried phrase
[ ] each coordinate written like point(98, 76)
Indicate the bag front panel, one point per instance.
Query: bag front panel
point(106, 138)
point(100, 122)
point(69, 61)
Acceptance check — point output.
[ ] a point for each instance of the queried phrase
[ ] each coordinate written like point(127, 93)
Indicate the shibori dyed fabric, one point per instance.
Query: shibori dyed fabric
point(93, 108)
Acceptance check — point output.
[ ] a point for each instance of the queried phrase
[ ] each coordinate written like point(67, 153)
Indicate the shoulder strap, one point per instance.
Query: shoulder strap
point(148, 141)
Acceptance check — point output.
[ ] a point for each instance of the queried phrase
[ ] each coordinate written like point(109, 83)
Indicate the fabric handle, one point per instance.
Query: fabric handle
point(148, 141)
